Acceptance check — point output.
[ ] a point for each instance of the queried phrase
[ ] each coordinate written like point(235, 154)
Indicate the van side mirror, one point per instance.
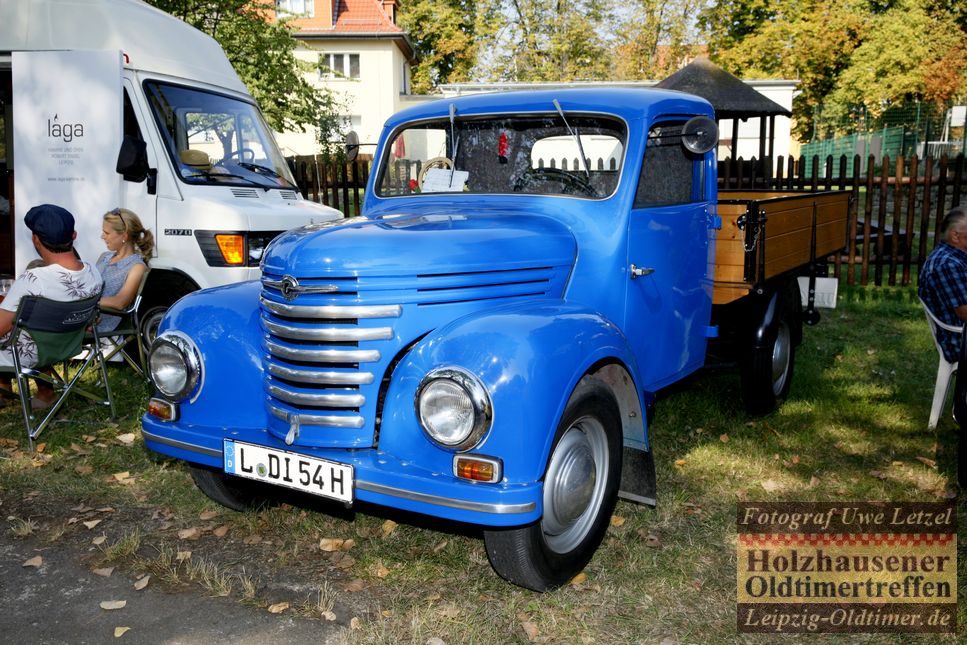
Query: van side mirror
point(133, 159)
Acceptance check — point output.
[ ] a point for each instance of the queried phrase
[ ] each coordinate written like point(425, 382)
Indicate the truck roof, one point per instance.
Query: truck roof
point(625, 102)
point(152, 40)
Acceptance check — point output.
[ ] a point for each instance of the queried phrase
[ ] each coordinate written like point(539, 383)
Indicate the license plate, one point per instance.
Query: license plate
point(282, 468)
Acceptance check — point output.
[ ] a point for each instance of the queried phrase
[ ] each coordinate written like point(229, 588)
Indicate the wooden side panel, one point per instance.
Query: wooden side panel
point(788, 230)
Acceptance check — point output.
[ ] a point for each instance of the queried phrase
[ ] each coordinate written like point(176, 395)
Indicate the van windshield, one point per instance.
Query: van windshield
point(216, 139)
point(528, 154)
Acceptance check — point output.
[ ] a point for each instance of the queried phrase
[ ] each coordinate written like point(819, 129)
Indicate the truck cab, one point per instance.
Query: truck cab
point(482, 344)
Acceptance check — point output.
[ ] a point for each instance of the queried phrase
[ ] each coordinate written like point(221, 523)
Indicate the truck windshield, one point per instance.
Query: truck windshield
point(534, 155)
point(216, 139)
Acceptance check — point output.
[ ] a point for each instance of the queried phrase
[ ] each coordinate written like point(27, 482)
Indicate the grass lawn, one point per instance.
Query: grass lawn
point(853, 429)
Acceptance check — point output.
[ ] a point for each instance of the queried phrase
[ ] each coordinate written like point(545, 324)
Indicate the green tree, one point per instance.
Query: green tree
point(442, 32)
point(654, 37)
point(850, 56)
point(543, 40)
point(262, 51)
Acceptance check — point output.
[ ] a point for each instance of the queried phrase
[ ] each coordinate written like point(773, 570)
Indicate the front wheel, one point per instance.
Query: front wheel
point(580, 492)
point(232, 492)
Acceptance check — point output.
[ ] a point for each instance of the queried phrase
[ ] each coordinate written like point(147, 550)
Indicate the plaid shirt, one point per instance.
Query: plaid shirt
point(943, 288)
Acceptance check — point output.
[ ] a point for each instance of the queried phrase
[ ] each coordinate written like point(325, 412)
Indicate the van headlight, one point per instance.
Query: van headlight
point(454, 408)
point(175, 366)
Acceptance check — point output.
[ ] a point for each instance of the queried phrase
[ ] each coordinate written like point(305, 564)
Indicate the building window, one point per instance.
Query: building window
point(339, 66)
point(296, 7)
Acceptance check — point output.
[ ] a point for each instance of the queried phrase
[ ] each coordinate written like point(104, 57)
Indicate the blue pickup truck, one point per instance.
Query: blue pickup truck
point(484, 342)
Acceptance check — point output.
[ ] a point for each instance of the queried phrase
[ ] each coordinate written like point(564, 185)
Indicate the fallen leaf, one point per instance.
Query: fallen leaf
point(348, 544)
point(381, 570)
point(121, 631)
point(189, 534)
point(278, 607)
point(127, 438)
point(795, 459)
point(770, 486)
point(105, 509)
point(813, 481)
point(346, 562)
point(83, 469)
point(181, 556)
point(121, 476)
point(221, 531)
point(355, 623)
point(40, 447)
point(104, 573)
point(35, 561)
point(252, 539)
point(204, 516)
point(330, 544)
point(439, 546)
point(680, 462)
point(617, 520)
point(388, 527)
point(878, 474)
point(92, 523)
point(578, 579)
point(354, 586)
point(329, 615)
point(651, 540)
point(142, 583)
point(113, 604)
point(531, 630)
point(99, 540)
point(88, 438)
point(929, 463)
point(724, 438)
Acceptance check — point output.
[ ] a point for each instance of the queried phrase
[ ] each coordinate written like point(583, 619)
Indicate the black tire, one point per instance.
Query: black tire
point(231, 492)
point(149, 321)
point(766, 372)
point(577, 510)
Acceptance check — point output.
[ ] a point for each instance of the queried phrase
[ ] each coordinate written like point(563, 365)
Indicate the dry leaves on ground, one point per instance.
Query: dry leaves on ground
point(278, 607)
point(111, 605)
point(121, 631)
point(142, 583)
point(388, 527)
point(126, 439)
point(92, 523)
point(35, 561)
point(192, 533)
point(104, 572)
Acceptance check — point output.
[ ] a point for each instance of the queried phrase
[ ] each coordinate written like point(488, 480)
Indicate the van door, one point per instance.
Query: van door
point(135, 195)
point(669, 301)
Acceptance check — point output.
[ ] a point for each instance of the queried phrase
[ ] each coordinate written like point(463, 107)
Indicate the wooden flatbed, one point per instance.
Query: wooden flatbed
point(766, 234)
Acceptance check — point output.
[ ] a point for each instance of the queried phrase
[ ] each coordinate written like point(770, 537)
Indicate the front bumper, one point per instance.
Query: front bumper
point(380, 478)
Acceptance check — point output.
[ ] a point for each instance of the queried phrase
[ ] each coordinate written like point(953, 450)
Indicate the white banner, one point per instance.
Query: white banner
point(67, 113)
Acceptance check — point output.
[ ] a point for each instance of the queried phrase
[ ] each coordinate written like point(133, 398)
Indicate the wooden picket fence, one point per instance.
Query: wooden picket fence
point(893, 224)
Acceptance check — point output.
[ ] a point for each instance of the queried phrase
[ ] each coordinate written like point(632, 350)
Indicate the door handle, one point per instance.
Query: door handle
point(639, 272)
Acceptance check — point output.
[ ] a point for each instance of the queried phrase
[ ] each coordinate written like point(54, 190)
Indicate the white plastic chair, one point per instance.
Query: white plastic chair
point(945, 370)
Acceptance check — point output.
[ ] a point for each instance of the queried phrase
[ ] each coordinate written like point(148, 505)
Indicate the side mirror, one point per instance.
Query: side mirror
point(133, 159)
point(352, 145)
point(700, 134)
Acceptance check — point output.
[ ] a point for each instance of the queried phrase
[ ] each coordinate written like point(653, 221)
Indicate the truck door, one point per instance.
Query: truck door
point(135, 195)
point(669, 290)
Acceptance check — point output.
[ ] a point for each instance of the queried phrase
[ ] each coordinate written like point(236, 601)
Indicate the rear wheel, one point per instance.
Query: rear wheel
point(766, 371)
point(580, 492)
point(232, 492)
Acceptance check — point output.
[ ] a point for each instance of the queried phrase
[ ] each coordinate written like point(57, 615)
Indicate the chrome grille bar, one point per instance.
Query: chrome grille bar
point(327, 400)
point(329, 334)
point(323, 355)
point(316, 420)
point(332, 312)
point(321, 378)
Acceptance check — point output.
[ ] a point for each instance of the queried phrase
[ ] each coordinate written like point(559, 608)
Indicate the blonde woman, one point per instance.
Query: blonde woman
point(122, 266)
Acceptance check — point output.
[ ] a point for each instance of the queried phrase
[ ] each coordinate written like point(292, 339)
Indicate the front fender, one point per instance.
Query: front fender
point(529, 356)
point(224, 323)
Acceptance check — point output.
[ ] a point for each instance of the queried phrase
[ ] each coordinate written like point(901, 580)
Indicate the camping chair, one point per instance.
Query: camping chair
point(117, 340)
point(944, 371)
point(58, 329)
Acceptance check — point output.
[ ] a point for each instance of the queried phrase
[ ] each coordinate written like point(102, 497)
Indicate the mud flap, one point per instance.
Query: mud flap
point(638, 476)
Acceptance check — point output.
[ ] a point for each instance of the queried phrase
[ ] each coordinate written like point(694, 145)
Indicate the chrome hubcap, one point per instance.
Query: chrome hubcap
point(781, 351)
point(574, 485)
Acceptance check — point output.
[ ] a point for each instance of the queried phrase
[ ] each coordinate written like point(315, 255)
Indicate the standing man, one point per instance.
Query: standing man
point(62, 277)
point(943, 280)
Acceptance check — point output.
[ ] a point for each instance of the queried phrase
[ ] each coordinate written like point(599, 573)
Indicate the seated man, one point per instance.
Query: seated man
point(63, 277)
point(943, 280)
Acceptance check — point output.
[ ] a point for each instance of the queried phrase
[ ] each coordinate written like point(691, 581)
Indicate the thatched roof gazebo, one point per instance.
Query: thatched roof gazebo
point(732, 99)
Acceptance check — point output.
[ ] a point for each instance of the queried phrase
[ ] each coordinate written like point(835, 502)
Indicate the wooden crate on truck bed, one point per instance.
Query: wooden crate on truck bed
point(769, 233)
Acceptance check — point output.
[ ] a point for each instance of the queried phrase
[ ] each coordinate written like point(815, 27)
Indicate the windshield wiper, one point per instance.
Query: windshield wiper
point(226, 175)
point(577, 139)
point(268, 172)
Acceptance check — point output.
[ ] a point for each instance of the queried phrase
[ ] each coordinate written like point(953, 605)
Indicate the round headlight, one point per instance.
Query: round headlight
point(174, 366)
point(454, 408)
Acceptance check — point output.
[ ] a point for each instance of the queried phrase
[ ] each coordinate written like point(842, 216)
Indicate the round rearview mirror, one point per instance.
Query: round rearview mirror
point(352, 145)
point(700, 134)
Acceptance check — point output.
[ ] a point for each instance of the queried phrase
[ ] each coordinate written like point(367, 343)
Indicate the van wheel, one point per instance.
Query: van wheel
point(766, 372)
point(150, 320)
point(232, 492)
point(580, 492)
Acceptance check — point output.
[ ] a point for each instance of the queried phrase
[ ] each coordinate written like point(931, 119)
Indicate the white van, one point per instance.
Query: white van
point(112, 103)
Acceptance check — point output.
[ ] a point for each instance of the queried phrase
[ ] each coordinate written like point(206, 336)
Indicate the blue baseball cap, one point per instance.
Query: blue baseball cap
point(52, 224)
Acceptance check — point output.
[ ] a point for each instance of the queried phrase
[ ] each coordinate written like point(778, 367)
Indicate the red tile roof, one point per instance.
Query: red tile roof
point(356, 16)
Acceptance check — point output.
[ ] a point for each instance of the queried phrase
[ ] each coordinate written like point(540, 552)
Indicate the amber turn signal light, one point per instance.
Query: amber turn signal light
point(164, 410)
point(232, 247)
point(478, 469)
